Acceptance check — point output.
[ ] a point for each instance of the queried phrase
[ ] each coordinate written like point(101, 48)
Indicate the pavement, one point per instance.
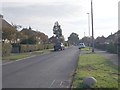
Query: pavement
point(110, 56)
point(52, 70)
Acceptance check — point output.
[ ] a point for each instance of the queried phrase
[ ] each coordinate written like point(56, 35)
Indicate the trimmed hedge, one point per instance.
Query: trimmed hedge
point(118, 44)
point(30, 48)
point(6, 49)
point(101, 46)
point(27, 48)
point(111, 47)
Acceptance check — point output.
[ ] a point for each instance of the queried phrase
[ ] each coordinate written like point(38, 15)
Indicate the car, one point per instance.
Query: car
point(81, 45)
point(59, 46)
point(62, 46)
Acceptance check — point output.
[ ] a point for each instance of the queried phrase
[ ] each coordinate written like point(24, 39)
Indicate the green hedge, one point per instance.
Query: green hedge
point(30, 48)
point(118, 44)
point(6, 49)
point(101, 46)
point(112, 48)
point(40, 47)
point(27, 48)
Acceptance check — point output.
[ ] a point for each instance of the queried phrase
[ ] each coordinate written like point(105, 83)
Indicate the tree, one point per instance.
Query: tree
point(73, 39)
point(43, 37)
point(8, 31)
point(86, 40)
point(57, 31)
point(100, 40)
point(28, 41)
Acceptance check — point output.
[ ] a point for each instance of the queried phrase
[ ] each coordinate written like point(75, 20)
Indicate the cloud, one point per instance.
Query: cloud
point(71, 14)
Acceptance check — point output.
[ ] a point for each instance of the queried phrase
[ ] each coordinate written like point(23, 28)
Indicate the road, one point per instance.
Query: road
point(53, 70)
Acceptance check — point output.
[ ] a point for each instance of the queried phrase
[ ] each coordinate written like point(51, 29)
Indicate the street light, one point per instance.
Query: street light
point(88, 30)
point(88, 24)
point(92, 26)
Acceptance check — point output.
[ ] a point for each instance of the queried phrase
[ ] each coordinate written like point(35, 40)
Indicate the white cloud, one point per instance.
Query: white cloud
point(71, 14)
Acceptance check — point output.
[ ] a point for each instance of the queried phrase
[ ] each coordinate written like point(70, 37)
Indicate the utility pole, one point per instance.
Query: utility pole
point(92, 26)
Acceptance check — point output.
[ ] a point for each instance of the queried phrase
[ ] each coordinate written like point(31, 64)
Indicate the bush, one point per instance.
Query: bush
point(6, 49)
point(100, 46)
point(30, 48)
point(112, 48)
point(50, 46)
point(40, 47)
point(118, 45)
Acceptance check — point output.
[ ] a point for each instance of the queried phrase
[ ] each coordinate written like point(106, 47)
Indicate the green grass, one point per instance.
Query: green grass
point(86, 49)
point(24, 55)
point(99, 67)
point(16, 56)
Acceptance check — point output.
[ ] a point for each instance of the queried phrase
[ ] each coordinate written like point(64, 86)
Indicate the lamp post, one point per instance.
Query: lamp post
point(88, 30)
point(88, 24)
point(92, 26)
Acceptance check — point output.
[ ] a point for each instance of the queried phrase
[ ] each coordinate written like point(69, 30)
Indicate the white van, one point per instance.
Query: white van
point(81, 45)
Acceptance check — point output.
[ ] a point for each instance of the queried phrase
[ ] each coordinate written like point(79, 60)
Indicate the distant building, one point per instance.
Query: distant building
point(52, 39)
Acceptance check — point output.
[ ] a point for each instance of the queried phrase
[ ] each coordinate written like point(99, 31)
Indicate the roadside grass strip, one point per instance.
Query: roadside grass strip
point(86, 49)
point(16, 56)
point(21, 56)
point(97, 66)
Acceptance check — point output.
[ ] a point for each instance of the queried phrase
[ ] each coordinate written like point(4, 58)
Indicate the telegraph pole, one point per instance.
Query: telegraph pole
point(92, 26)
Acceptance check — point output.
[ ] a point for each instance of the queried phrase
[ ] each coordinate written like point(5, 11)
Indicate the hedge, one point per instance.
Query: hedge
point(27, 48)
point(6, 49)
point(111, 47)
point(30, 48)
point(101, 46)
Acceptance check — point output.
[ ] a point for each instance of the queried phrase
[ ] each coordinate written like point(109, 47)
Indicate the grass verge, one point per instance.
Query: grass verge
point(91, 64)
point(25, 55)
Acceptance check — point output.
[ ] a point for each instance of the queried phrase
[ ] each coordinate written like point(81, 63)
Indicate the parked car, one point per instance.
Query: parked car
point(62, 46)
point(59, 46)
point(81, 45)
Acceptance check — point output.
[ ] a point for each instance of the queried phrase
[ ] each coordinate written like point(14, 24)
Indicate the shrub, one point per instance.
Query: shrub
point(100, 46)
point(6, 49)
point(112, 47)
point(30, 48)
point(40, 47)
point(50, 46)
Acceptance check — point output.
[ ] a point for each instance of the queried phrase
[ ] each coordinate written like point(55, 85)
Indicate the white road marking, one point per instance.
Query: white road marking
point(61, 83)
point(7, 63)
point(52, 83)
point(18, 60)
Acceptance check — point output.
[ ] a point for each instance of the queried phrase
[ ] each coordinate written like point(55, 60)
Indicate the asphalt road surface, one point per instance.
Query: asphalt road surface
point(53, 70)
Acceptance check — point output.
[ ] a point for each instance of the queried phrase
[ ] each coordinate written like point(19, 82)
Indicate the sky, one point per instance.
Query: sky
point(71, 15)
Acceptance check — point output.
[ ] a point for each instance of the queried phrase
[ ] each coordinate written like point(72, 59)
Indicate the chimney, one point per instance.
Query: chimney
point(1, 16)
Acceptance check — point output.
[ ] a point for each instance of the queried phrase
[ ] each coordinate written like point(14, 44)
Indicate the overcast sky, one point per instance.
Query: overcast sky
point(71, 15)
